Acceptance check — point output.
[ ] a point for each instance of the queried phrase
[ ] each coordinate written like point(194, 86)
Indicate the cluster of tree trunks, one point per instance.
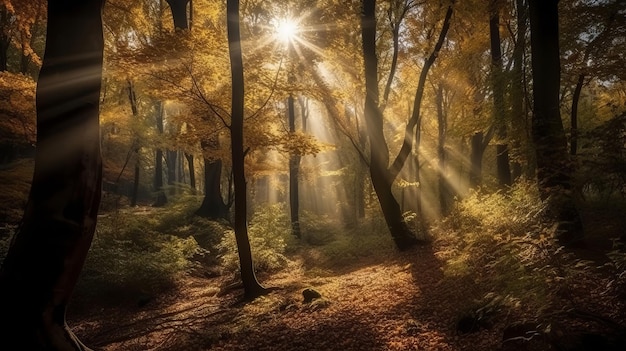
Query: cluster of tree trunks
point(49, 249)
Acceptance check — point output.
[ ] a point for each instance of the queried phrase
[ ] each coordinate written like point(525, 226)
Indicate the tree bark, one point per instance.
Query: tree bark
point(382, 179)
point(192, 172)
point(49, 249)
point(213, 205)
point(179, 13)
point(132, 98)
point(518, 112)
point(573, 146)
point(161, 199)
point(252, 287)
point(5, 39)
point(497, 85)
point(294, 171)
point(553, 165)
point(442, 124)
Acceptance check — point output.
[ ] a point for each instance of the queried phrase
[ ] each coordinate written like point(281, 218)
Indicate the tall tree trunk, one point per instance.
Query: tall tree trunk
point(379, 151)
point(49, 249)
point(161, 199)
point(479, 141)
point(171, 163)
point(252, 287)
point(553, 165)
point(5, 39)
point(192, 172)
point(415, 120)
point(179, 13)
point(518, 111)
point(573, 146)
point(132, 98)
point(442, 124)
point(497, 84)
point(294, 170)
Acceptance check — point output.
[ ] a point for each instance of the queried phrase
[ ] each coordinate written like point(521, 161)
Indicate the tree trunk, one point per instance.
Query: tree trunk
point(171, 163)
point(132, 98)
point(553, 166)
point(252, 287)
point(213, 205)
point(497, 84)
point(379, 152)
point(161, 199)
point(478, 144)
point(442, 124)
point(48, 251)
point(192, 172)
point(518, 111)
point(179, 13)
point(573, 146)
point(294, 170)
point(5, 39)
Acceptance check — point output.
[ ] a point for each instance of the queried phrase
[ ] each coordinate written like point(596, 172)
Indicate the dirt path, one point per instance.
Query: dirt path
point(398, 303)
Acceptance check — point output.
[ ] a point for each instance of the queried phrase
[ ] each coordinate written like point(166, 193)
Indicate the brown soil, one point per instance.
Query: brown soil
point(399, 303)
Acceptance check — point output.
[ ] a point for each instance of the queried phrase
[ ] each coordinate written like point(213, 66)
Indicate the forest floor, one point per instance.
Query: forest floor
point(401, 302)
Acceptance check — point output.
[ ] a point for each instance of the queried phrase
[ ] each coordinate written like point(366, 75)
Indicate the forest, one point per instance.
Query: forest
point(313, 175)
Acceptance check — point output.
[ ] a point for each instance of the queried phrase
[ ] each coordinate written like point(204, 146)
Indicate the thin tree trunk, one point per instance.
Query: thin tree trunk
point(294, 170)
point(442, 124)
point(518, 115)
point(252, 287)
point(497, 84)
point(132, 98)
point(415, 120)
point(553, 165)
point(573, 147)
point(192, 172)
point(5, 39)
point(48, 251)
point(161, 199)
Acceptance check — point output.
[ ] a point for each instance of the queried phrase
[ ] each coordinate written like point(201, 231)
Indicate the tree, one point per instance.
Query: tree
point(251, 285)
point(553, 166)
point(497, 84)
point(383, 175)
point(48, 251)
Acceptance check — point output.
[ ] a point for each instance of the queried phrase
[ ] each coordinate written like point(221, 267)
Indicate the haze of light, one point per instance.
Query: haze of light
point(286, 30)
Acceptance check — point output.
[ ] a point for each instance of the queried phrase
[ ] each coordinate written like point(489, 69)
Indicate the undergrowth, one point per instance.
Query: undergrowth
point(133, 258)
point(505, 246)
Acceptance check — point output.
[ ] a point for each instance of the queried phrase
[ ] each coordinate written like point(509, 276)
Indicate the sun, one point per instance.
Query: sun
point(286, 30)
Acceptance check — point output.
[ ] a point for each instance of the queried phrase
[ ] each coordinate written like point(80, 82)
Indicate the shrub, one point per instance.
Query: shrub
point(129, 259)
point(504, 241)
point(268, 230)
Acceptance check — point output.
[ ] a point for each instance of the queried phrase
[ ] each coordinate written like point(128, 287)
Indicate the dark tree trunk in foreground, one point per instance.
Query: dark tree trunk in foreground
point(5, 39)
point(553, 165)
point(497, 85)
point(251, 285)
point(379, 158)
point(48, 251)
